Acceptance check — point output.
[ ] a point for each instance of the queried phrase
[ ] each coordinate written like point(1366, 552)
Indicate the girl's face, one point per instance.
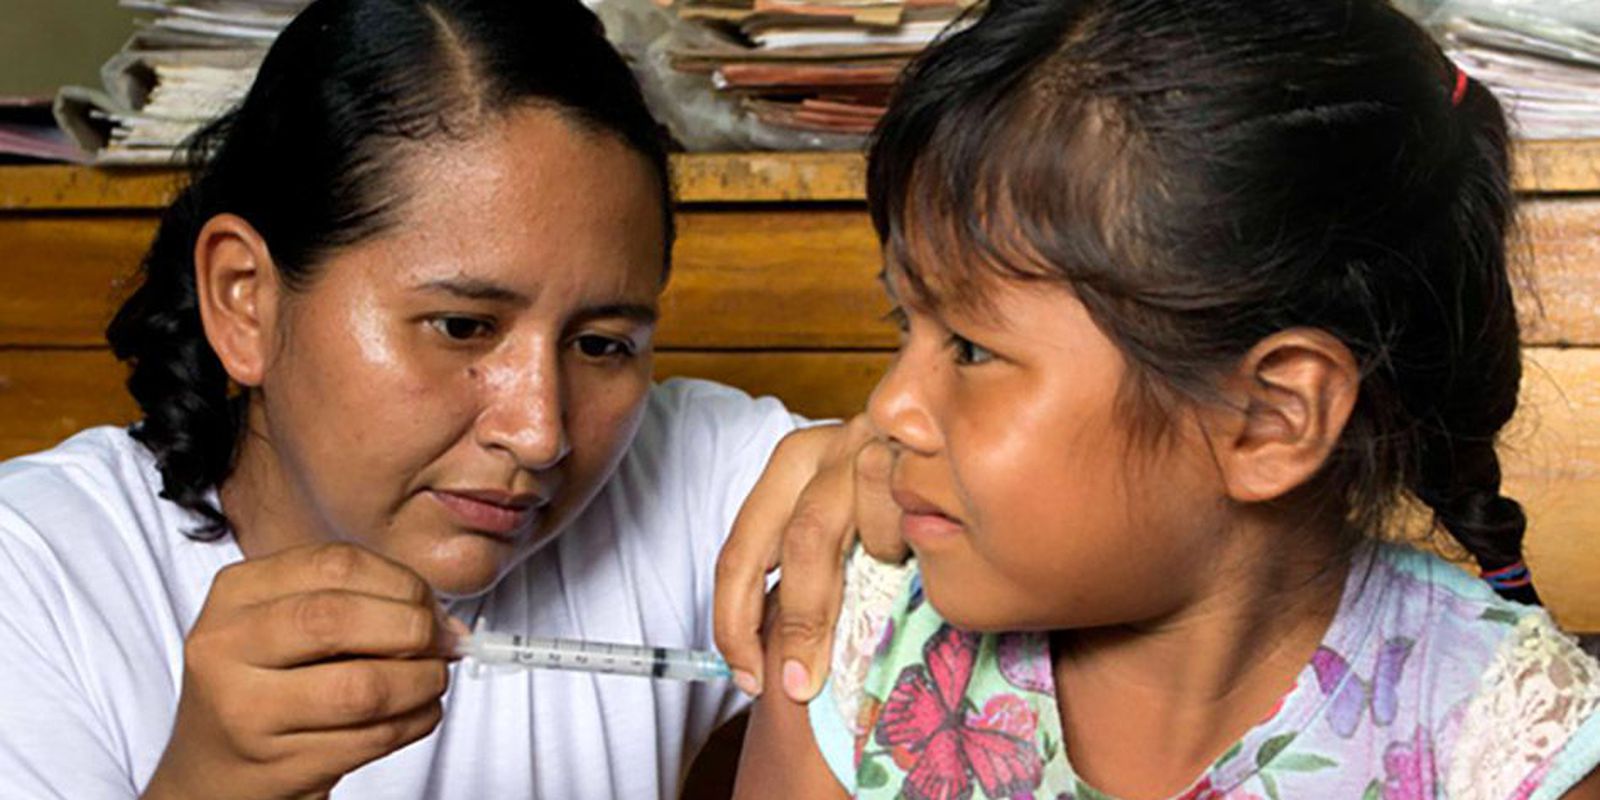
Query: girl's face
point(1025, 493)
point(452, 392)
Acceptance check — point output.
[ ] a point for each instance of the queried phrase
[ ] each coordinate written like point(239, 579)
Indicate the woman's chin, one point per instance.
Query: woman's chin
point(467, 568)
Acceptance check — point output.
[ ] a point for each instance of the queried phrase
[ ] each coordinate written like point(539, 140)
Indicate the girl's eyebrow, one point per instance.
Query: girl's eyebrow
point(922, 297)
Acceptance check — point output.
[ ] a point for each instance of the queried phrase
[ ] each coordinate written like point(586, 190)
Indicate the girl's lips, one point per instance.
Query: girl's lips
point(922, 522)
point(921, 530)
point(475, 513)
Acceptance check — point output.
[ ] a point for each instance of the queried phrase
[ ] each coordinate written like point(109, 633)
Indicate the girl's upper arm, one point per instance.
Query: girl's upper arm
point(781, 758)
point(1586, 789)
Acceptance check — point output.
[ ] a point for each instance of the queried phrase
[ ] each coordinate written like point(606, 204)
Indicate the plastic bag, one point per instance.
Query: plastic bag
point(698, 117)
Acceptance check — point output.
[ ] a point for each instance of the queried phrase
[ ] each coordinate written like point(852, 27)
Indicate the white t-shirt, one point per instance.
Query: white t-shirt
point(98, 587)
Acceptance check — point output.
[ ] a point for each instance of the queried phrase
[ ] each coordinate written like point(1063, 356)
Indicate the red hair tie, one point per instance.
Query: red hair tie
point(1461, 87)
point(1510, 577)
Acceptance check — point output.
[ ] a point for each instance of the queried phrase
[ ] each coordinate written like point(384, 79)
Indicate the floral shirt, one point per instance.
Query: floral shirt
point(1426, 685)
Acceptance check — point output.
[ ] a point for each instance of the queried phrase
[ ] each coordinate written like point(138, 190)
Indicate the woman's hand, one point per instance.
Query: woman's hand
point(303, 666)
point(823, 488)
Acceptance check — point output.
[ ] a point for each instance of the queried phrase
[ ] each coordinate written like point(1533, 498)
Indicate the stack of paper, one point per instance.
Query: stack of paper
point(189, 61)
point(27, 133)
point(810, 65)
point(1542, 59)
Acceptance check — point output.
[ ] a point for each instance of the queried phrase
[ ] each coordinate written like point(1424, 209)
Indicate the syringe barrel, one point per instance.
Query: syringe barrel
point(625, 659)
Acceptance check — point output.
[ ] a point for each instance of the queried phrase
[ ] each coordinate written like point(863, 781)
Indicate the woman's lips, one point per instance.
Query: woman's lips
point(496, 513)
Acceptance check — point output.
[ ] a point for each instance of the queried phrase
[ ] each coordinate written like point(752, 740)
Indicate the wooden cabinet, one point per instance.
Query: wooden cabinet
point(774, 289)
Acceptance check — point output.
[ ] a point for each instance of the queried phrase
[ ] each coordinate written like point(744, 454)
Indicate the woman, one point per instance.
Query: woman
point(393, 338)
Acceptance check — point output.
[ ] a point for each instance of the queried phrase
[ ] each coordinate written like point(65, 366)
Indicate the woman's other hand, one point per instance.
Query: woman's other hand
point(824, 487)
point(302, 667)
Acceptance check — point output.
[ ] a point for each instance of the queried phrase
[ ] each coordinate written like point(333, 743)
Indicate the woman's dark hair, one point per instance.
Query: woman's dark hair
point(1203, 174)
point(311, 160)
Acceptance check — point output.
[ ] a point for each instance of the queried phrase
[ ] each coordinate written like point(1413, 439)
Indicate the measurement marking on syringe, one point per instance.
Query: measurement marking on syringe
point(606, 657)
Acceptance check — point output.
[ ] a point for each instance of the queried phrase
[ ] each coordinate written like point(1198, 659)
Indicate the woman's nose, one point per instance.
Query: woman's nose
point(524, 412)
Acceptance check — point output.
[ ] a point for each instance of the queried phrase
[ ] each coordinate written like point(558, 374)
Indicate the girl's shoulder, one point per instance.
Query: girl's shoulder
point(1526, 722)
point(1488, 697)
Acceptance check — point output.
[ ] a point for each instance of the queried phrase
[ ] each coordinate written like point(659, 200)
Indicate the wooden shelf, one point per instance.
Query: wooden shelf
point(1556, 167)
point(701, 178)
point(775, 290)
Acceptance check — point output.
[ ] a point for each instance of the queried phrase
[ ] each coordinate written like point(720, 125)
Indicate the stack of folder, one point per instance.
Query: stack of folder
point(189, 61)
point(823, 66)
point(1540, 57)
point(820, 69)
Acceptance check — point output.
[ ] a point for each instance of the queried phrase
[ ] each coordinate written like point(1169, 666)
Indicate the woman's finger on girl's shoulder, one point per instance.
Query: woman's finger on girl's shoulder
point(752, 551)
point(877, 516)
point(816, 539)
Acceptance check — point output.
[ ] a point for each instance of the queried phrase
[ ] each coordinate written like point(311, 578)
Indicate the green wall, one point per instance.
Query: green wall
point(47, 43)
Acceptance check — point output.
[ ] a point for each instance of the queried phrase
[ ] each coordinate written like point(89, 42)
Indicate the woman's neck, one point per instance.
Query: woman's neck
point(265, 512)
point(1146, 708)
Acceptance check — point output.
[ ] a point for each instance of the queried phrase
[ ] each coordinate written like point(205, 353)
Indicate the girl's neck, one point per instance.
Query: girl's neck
point(1147, 707)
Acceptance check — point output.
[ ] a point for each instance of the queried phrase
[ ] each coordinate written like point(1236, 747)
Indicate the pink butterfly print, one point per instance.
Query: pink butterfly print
point(1350, 695)
point(1025, 661)
point(927, 712)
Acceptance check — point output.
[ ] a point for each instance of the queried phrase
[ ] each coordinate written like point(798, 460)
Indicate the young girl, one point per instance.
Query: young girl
point(1194, 295)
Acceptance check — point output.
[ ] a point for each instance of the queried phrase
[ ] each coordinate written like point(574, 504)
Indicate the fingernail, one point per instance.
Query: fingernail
point(455, 632)
point(796, 681)
point(747, 683)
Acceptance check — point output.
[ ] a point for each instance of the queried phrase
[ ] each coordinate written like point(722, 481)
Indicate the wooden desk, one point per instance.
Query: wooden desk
point(774, 290)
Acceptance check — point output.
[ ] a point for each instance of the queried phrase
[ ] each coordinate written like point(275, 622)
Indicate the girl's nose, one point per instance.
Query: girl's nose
point(899, 408)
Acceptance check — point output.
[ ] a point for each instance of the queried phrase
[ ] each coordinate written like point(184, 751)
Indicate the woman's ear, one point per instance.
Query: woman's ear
point(1289, 400)
point(236, 287)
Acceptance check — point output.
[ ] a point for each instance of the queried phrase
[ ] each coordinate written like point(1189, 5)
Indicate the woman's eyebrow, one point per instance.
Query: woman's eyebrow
point(475, 289)
point(633, 312)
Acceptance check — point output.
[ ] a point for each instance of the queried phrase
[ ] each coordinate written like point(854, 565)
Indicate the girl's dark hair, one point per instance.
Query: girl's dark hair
point(1204, 174)
point(311, 160)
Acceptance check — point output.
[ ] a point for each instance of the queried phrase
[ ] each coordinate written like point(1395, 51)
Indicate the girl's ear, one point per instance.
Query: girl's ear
point(236, 288)
point(1289, 400)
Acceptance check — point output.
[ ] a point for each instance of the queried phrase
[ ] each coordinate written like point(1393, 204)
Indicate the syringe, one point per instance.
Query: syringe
point(490, 649)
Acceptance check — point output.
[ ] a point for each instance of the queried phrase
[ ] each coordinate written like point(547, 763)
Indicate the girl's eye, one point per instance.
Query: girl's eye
point(597, 347)
point(897, 316)
point(968, 352)
point(459, 328)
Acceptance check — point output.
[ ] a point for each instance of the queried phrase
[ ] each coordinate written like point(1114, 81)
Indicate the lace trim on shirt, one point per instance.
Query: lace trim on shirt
point(871, 589)
point(1538, 690)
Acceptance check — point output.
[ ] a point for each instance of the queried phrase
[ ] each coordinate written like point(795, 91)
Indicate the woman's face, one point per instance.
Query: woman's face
point(450, 393)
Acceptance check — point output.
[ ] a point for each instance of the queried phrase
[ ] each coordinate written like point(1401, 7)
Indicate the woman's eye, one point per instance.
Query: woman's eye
point(603, 347)
point(461, 329)
point(968, 352)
